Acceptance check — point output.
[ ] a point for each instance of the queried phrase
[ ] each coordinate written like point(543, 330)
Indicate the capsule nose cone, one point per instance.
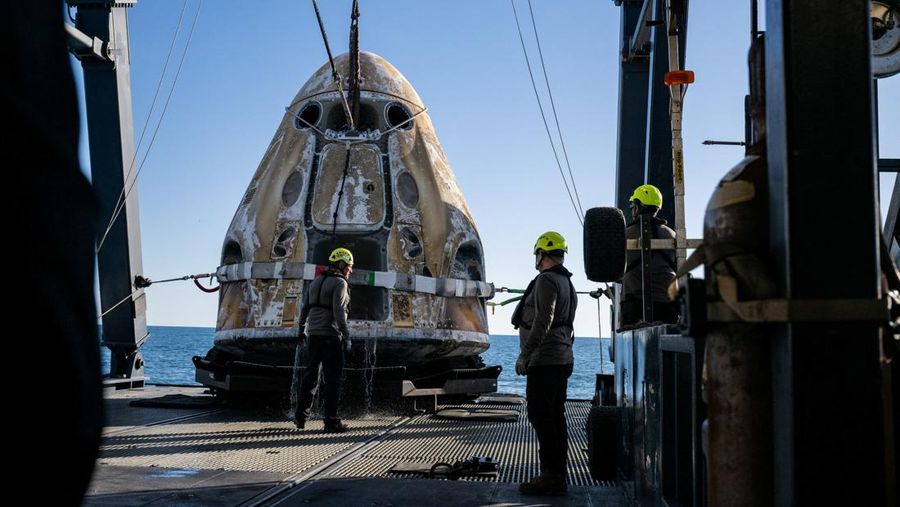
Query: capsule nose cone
point(376, 75)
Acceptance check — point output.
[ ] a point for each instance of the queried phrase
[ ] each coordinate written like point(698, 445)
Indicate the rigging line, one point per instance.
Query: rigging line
point(334, 73)
point(296, 115)
point(543, 116)
point(162, 116)
point(381, 135)
point(401, 124)
point(379, 92)
point(600, 334)
point(137, 148)
point(337, 207)
point(126, 298)
point(553, 108)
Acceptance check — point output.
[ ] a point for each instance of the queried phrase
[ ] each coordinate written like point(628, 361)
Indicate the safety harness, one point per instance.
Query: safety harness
point(517, 320)
point(321, 280)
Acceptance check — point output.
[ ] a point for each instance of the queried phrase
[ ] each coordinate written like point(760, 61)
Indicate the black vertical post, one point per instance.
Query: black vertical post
point(829, 427)
point(646, 266)
point(107, 85)
point(632, 126)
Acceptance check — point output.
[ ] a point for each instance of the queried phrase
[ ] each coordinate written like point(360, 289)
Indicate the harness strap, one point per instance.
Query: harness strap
point(318, 303)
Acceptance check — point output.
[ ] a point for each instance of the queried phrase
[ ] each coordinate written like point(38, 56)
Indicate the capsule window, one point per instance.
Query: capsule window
point(291, 190)
point(397, 115)
point(468, 263)
point(310, 114)
point(231, 253)
point(286, 234)
point(407, 190)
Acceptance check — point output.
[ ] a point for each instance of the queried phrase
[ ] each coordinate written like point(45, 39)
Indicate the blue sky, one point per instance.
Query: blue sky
point(248, 59)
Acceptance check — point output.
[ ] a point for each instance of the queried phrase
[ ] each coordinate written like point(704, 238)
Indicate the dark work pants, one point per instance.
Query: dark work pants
point(546, 394)
point(633, 312)
point(327, 351)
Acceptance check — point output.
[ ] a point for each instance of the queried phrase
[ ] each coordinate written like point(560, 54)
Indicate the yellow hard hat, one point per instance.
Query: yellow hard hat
point(648, 195)
point(550, 241)
point(341, 254)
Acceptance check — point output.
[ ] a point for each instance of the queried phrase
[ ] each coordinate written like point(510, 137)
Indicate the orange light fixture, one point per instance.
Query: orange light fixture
point(678, 77)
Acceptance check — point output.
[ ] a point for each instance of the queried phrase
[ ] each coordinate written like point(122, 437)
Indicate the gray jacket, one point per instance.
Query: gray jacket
point(327, 306)
point(662, 264)
point(544, 318)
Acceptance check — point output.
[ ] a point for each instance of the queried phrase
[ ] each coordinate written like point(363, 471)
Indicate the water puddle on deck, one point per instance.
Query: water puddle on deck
point(175, 473)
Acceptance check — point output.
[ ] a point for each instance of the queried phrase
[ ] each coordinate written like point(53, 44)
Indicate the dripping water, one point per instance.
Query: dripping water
point(369, 360)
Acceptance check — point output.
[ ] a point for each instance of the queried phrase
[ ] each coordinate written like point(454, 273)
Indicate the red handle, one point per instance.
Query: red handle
point(205, 289)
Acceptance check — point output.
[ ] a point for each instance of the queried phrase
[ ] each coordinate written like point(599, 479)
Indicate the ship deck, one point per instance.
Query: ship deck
point(184, 449)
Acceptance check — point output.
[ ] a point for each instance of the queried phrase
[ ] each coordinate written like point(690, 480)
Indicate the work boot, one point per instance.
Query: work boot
point(544, 485)
point(299, 422)
point(335, 426)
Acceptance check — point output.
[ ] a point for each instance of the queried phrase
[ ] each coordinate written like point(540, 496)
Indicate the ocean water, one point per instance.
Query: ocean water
point(168, 351)
point(505, 349)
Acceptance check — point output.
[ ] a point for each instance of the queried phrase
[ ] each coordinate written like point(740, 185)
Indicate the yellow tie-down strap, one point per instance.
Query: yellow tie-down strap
point(445, 287)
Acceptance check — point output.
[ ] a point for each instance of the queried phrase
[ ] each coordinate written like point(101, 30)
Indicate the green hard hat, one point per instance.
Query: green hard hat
point(341, 254)
point(648, 195)
point(550, 241)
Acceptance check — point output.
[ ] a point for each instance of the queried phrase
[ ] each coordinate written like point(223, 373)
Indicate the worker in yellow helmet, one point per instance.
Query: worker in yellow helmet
point(544, 318)
point(324, 320)
point(647, 201)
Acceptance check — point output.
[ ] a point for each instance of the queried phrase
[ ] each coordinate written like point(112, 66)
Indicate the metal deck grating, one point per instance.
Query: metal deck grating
point(426, 439)
point(232, 440)
point(158, 455)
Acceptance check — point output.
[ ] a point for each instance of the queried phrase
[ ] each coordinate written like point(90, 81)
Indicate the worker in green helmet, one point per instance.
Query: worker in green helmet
point(324, 320)
point(647, 201)
point(544, 318)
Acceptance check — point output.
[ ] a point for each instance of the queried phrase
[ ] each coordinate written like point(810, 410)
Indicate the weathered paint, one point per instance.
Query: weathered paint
point(362, 205)
point(422, 239)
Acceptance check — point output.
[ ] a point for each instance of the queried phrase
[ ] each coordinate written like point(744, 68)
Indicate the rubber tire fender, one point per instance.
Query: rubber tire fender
point(604, 244)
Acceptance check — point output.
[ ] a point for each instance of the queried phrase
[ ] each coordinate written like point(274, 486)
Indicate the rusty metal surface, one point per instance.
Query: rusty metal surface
point(738, 389)
point(737, 381)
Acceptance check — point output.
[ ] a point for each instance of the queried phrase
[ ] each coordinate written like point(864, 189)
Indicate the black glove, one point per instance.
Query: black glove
point(521, 365)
